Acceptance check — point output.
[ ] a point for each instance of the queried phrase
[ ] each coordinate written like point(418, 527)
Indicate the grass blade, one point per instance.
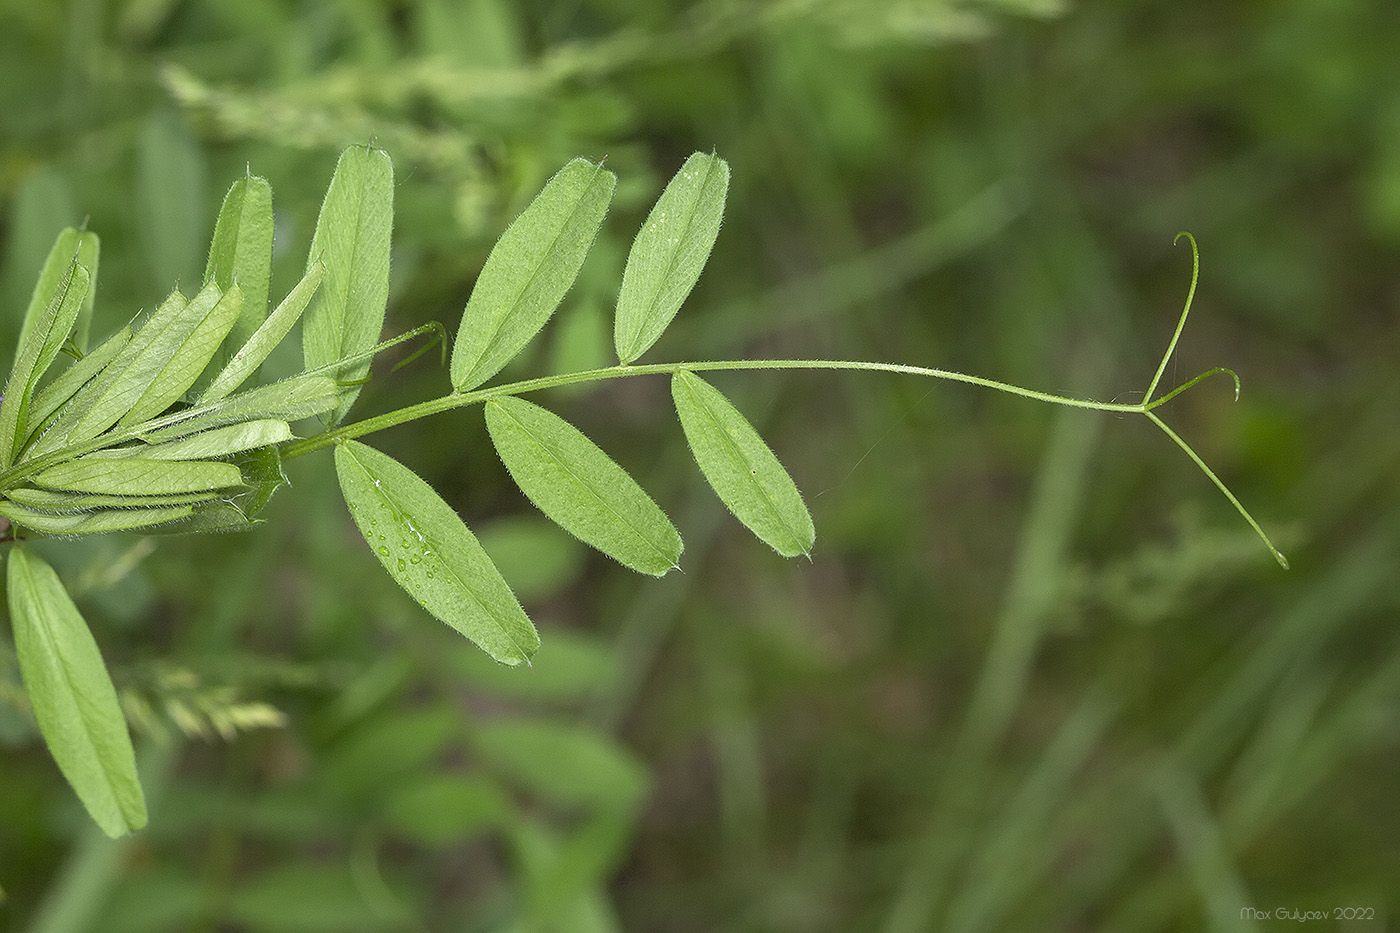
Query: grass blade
point(741, 468)
point(139, 477)
point(241, 250)
point(529, 270)
point(266, 338)
point(581, 488)
point(429, 552)
point(72, 695)
point(352, 240)
point(669, 252)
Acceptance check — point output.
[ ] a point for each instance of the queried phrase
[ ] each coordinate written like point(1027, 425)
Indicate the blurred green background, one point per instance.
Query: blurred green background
point(1038, 676)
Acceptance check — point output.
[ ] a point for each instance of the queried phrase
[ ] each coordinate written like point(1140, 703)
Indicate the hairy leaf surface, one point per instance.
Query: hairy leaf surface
point(213, 444)
point(72, 695)
point(266, 338)
point(582, 489)
point(241, 250)
point(352, 241)
point(188, 359)
point(139, 477)
point(287, 400)
point(428, 551)
point(58, 501)
point(529, 270)
point(93, 522)
point(72, 245)
point(741, 468)
point(48, 400)
point(35, 356)
point(669, 252)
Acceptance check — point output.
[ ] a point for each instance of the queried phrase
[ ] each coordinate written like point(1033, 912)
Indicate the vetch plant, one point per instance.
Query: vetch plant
point(155, 428)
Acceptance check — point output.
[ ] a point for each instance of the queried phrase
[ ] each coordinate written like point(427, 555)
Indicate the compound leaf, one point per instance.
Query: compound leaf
point(530, 268)
point(669, 252)
point(352, 240)
point(137, 477)
point(429, 552)
point(241, 250)
point(72, 695)
point(741, 468)
point(581, 488)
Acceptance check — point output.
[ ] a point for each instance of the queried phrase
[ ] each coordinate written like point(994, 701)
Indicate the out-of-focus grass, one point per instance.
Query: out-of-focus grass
point(1038, 676)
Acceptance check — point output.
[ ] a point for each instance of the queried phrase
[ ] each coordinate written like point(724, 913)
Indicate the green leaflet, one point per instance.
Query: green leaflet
point(48, 400)
point(188, 359)
point(35, 356)
point(266, 338)
point(428, 551)
point(98, 389)
point(241, 250)
point(741, 468)
point(580, 488)
point(142, 365)
point(96, 522)
point(352, 240)
point(207, 519)
point(287, 400)
point(530, 268)
point(669, 252)
point(139, 477)
point(71, 245)
point(56, 501)
point(220, 442)
point(73, 698)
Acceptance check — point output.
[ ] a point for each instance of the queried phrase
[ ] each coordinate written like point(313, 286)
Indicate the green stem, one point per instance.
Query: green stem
point(462, 399)
point(1282, 561)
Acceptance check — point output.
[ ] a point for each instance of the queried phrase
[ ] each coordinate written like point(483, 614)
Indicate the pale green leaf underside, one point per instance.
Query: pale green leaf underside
point(241, 250)
point(71, 245)
point(188, 359)
point(92, 522)
point(139, 477)
point(72, 696)
point(35, 355)
point(571, 480)
point(219, 442)
point(669, 252)
point(529, 270)
point(265, 339)
point(126, 381)
point(58, 501)
point(428, 551)
point(287, 400)
point(352, 241)
point(741, 468)
point(48, 400)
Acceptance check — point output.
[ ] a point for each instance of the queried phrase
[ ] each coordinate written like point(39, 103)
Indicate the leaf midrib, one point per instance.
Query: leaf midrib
point(591, 491)
point(438, 550)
